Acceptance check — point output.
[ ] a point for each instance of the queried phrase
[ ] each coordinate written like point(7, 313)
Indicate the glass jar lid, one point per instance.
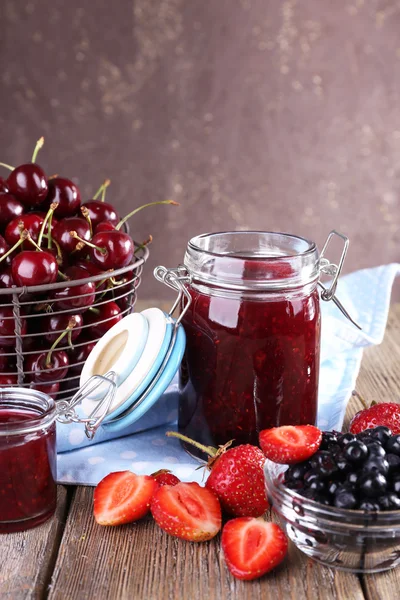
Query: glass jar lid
point(252, 260)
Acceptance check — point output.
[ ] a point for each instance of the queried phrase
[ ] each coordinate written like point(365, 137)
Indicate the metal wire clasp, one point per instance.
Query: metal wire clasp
point(66, 409)
point(176, 279)
point(328, 293)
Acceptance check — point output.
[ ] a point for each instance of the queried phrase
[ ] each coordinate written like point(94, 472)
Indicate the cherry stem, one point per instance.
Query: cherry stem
point(7, 166)
point(85, 213)
point(103, 281)
point(128, 216)
point(52, 176)
point(71, 325)
point(210, 450)
point(39, 145)
point(49, 236)
point(94, 310)
point(24, 235)
point(32, 241)
point(86, 243)
point(62, 275)
point(360, 398)
point(145, 243)
point(57, 245)
point(101, 188)
point(52, 208)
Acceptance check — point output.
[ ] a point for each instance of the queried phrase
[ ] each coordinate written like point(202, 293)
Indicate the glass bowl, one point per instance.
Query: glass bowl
point(350, 540)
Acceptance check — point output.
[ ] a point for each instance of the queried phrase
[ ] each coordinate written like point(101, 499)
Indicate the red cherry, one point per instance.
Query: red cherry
point(109, 249)
point(31, 267)
point(93, 270)
point(80, 353)
point(53, 325)
point(7, 327)
point(28, 183)
point(51, 389)
point(62, 236)
point(49, 365)
point(103, 317)
point(6, 280)
point(40, 370)
point(66, 193)
point(8, 380)
point(101, 211)
point(4, 247)
point(32, 222)
point(3, 185)
point(104, 226)
point(10, 208)
point(78, 297)
point(3, 360)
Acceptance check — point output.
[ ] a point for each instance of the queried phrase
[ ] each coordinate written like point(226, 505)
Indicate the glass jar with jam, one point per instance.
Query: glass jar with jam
point(252, 336)
point(28, 491)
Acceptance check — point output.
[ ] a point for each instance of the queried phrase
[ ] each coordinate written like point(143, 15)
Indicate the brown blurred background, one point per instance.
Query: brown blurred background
point(251, 113)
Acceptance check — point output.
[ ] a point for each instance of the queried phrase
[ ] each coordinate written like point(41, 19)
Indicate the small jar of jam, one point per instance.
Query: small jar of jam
point(252, 336)
point(27, 459)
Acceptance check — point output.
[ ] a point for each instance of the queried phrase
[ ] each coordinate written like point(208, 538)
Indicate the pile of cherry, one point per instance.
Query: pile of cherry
point(47, 236)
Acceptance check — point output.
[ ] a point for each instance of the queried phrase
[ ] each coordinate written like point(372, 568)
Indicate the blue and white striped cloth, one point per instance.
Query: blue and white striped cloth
point(144, 448)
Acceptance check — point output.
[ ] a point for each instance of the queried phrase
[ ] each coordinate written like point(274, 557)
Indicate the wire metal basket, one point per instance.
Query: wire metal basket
point(30, 306)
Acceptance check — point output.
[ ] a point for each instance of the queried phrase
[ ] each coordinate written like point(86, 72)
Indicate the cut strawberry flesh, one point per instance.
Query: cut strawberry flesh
point(290, 444)
point(188, 511)
point(252, 547)
point(123, 497)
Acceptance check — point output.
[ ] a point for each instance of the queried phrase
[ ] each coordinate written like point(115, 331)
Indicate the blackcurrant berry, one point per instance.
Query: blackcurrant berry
point(355, 452)
point(372, 484)
point(369, 505)
point(394, 463)
point(381, 433)
point(346, 439)
point(345, 499)
point(389, 502)
point(376, 463)
point(393, 445)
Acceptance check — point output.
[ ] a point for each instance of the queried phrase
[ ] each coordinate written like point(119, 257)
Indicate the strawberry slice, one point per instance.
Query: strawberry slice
point(252, 547)
point(187, 511)
point(123, 497)
point(290, 444)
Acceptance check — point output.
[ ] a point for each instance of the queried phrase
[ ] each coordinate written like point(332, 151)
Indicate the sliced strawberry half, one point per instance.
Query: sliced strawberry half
point(290, 444)
point(123, 497)
point(187, 511)
point(252, 547)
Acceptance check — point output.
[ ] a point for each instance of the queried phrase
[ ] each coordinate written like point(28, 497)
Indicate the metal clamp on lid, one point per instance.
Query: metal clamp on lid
point(66, 409)
point(328, 268)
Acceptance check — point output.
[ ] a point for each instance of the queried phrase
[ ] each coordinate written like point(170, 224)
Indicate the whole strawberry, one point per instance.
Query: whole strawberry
point(165, 477)
point(384, 413)
point(236, 477)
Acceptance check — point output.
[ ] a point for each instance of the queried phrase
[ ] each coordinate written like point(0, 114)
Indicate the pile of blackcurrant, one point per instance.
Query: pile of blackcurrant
point(353, 471)
point(48, 236)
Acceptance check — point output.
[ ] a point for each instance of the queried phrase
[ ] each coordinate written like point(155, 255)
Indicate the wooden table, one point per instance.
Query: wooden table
point(72, 558)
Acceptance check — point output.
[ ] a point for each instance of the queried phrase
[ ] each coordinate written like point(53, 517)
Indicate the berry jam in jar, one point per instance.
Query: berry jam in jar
point(27, 459)
point(253, 336)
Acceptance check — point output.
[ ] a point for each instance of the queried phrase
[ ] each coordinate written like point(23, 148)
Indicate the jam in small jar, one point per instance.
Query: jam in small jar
point(252, 336)
point(28, 490)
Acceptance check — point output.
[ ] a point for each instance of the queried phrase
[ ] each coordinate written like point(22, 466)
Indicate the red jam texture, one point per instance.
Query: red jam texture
point(27, 473)
point(249, 365)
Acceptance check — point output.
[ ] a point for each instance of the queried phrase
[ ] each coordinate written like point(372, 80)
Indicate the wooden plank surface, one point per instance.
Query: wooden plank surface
point(141, 561)
point(27, 558)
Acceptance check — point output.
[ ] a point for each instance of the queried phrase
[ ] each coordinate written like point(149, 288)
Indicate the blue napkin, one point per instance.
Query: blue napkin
point(144, 448)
